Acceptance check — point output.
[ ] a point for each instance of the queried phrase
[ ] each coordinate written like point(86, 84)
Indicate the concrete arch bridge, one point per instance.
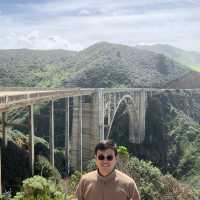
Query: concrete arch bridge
point(93, 113)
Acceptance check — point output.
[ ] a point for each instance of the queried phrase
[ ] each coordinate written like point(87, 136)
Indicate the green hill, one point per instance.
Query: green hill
point(23, 67)
point(101, 65)
point(112, 65)
point(187, 58)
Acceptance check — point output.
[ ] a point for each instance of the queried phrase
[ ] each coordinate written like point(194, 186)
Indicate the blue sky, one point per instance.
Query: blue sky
point(77, 24)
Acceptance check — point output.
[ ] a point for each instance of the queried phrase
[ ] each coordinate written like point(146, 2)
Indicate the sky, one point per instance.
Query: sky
point(77, 24)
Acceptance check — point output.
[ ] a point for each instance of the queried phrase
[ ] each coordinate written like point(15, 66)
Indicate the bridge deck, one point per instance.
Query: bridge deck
point(22, 98)
point(26, 96)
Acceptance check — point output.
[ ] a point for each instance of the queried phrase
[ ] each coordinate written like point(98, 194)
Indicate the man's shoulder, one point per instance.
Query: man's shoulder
point(123, 177)
point(90, 175)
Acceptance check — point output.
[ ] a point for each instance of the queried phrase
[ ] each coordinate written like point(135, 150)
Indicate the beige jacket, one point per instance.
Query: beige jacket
point(115, 186)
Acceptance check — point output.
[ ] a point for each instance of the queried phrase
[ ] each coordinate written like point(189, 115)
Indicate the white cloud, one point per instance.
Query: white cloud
point(35, 40)
point(84, 12)
point(87, 22)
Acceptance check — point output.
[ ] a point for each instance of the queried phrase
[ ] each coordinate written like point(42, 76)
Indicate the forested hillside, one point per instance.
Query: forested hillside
point(100, 65)
point(111, 65)
point(24, 67)
point(188, 58)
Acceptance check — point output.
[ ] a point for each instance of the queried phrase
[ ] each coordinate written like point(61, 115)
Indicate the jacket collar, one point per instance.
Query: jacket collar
point(108, 177)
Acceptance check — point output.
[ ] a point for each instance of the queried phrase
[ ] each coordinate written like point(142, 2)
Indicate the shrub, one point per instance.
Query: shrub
point(44, 168)
point(122, 150)
point(39, 188)
point(73, 182)
point(91, 165)
point(5, 196)
point(175, 190)
point(147, 177)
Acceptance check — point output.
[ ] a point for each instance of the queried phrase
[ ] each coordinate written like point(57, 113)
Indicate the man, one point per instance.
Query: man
point(106, 183)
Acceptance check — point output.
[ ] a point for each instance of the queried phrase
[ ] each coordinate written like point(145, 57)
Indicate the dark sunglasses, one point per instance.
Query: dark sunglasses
point(102, 157)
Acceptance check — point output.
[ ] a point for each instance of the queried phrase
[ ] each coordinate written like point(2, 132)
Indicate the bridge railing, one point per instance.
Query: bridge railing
point(8, 98)
point(32, 88)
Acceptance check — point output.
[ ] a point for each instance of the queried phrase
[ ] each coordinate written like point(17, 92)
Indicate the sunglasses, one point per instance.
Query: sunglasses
point(102, 157)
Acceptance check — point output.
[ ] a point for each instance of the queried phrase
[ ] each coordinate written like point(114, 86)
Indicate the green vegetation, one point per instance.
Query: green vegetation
point(187, 137)
point(73, 182)
point(110, 65)
point(16, 168)
point(45, 169)
point(101, 65)
point(121, 150)
point(39, 188)
point(187, 58)
point(33, 67)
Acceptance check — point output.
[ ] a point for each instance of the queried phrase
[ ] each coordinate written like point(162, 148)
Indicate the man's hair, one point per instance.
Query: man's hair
point(104, 145)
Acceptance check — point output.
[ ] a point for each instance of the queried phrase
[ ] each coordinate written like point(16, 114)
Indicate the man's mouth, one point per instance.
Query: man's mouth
point(105, 165)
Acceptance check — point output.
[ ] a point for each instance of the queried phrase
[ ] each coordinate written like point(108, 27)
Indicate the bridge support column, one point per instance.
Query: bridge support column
point(101, 113)
point(137, 112)
point(4, 144)
point(107, 115)
point(0, 172)
point(67, 142)
point(86, 141)
point(76, 142)
point(51, 133)
point(31, 138)
point(109, 109)
point(114, 101)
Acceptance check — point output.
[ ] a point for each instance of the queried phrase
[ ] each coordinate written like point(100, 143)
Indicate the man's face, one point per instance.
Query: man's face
point(105, 161)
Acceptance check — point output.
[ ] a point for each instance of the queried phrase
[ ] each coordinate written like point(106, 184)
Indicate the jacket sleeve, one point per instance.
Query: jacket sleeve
point(80, 190)
point(133, 191)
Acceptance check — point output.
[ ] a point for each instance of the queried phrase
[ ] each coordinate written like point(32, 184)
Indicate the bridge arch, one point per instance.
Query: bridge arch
point(125, 99)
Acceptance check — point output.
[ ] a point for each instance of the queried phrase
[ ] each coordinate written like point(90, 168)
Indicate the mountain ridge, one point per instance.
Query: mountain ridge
point(100, 65)
point(187, 58)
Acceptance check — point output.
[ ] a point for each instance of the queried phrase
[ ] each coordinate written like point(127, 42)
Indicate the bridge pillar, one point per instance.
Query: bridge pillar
point(67, 139)
point(51, 133)
point(31, 138)
point(86, 142)
point(4, 143)
point(0, 172)
point(75, 147)
point(109, 110)
point(101, 113)
point(137, 112)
